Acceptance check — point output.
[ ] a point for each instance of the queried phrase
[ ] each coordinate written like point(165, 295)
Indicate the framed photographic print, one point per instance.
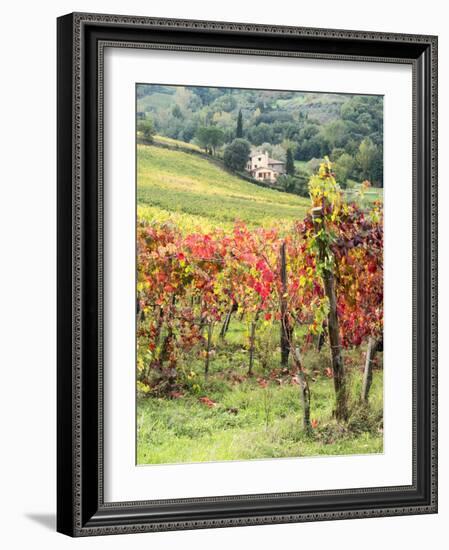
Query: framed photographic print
point(247, 274)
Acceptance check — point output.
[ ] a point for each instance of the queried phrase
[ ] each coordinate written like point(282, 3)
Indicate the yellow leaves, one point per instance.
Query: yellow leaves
point(320, 310)
point(142, 285)
point(140, 364)
point(324, 189)
point(375, 213)
point(325, 168)
point(143, 388)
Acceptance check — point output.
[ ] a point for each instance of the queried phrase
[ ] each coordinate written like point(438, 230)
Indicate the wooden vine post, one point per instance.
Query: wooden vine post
point(252, 342)
point(368, 370)
point(305, 391)
point(327, 273)
point(225, 326)
point(285, 325)
point(289, 348)
point(210, 329)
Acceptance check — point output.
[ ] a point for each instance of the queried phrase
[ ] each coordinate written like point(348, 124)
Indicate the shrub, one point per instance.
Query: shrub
point(313, 165)
point(146, 128)
point(236, 154)
point(343, 167)
point(297, 184)
point(209, 138)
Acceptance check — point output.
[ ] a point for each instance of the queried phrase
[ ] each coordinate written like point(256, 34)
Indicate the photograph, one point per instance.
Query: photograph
point(259, 274)
point(247, 274)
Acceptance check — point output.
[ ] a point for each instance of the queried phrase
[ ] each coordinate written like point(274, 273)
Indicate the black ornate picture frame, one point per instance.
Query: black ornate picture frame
point(81, 509)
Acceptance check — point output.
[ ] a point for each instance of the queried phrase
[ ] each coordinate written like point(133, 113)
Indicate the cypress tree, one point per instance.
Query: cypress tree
point(239, 131)
point(290, 165)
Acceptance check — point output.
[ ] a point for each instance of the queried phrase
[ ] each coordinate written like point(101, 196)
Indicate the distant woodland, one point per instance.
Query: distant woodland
point(307, 126)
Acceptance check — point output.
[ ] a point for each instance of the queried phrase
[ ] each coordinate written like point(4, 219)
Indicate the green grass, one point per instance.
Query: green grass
point(375, 193)
point(176, 143)
point(369, 196)
point(182, 184)
point(251, 422)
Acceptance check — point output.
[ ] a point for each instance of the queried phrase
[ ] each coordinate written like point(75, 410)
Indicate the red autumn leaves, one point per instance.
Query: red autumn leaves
point(186, 282)
point(208, 402)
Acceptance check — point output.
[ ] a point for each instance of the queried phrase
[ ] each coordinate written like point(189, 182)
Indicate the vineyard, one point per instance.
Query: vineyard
point(200, 192)
point(260, 316)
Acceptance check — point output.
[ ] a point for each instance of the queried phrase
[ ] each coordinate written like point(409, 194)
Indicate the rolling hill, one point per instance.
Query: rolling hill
point(194, 192)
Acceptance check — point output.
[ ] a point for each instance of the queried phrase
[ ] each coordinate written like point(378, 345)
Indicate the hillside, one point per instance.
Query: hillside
point(193, 191)
point(311, 125)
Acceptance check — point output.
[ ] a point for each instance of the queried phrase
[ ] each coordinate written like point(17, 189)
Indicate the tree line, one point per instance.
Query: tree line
point(347, 128)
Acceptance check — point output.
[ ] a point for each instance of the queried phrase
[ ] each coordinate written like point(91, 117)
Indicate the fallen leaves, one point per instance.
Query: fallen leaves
point(176, 394)
point(208, 402)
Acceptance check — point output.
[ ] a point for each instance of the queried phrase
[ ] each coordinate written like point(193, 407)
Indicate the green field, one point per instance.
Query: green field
point(189, 187)
point(249, 421)
point(185, 430)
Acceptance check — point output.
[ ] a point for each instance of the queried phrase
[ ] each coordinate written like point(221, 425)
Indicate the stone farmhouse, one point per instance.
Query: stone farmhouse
point(262, 167)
